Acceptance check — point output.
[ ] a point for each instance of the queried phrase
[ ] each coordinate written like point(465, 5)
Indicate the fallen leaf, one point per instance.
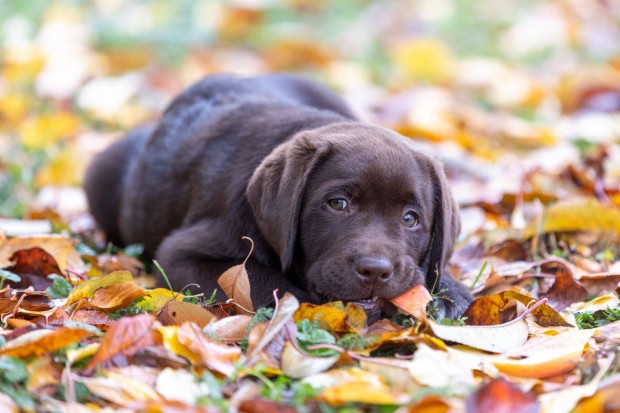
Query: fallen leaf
point(578, 214)
point(230, 329)
point(59, 247)
point(565, 291)
point(437, 368)
point(414, 301)
point(156, 299)
point(7, 404)
point(285, 309)
point(500, 396)
point(486, 310)
point(172, 343)
point(123, 339)
point(42, 372)
point(118, 389)
point(236, 284)
point(180, 385)
point(334, 317)
point(265, 406)
point(217, 357)
point(298, 365)
point(38, 342)
point(116, 296)
point(549, 356)
point(360, 387)
point(88, 288)
point(498, 338)
point(178, 312)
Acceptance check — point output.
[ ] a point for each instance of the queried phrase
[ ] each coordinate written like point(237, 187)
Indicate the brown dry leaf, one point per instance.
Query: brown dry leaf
point(334, 317)
point(179, 312)
point(114, 297)
point(414, 301)
point(217, 357)
point(94, 317)
point(578, 214)
point(487, 310)
point(59, 247)
point(547, 356)
point(88, 288)
point(229, 329)
point(501, 396)
point(236, 284)
point(38, 342)
point(124, 338)
point(565, 290)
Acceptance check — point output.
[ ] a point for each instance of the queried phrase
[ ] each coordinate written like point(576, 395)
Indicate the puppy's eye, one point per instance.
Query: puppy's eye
point(339, 204)
point(410, 219)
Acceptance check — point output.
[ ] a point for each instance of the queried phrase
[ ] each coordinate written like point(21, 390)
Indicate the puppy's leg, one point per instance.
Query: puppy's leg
point(187, 256)
point(460, 297)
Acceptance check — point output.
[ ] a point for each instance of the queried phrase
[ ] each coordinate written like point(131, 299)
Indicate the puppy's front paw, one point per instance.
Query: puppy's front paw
point(456, 298)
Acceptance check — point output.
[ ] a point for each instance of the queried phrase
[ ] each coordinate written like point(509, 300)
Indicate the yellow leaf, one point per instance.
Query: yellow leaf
point(424, 59)
point(550, 356)
point(13, 107)
point(334, 317)
point(580, 214)
point(38, 342)
point(46, 129)
point(352, 386)
point(82, 352)
point(172, 343)
point(66, 168)
point(88, 288)
point(156, 299)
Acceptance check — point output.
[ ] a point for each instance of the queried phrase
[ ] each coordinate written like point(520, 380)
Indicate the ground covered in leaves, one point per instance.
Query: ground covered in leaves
point(520, 99)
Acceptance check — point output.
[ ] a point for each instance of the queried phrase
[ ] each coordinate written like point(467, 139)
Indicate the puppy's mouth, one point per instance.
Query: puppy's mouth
point(375, 308)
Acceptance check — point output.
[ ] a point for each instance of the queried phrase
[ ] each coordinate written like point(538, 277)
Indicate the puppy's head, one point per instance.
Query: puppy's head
point(358, 212)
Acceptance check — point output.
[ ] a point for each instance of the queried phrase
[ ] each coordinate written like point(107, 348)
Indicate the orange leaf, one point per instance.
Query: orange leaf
point(485, 311)
point(116, 296)
point(215, 356)
point(414, 301)
point(38, 342)
point(124, 338)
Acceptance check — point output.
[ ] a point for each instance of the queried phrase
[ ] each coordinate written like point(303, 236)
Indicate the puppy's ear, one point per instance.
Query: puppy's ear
point(446, 227)
point(277, 187)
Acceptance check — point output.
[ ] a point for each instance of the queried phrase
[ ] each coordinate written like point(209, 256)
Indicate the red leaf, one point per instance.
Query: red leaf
point(500, 396)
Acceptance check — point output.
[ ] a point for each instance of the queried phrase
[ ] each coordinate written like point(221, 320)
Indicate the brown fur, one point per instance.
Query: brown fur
point(262, 157)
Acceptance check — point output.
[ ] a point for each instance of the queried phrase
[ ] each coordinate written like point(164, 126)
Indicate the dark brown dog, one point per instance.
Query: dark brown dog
point(338, 210)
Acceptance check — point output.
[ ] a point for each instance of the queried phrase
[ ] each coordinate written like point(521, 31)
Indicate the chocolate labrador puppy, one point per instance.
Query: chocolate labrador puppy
point(337, 209)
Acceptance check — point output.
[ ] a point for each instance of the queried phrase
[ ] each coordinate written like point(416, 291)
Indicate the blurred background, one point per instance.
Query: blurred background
point(509, 93)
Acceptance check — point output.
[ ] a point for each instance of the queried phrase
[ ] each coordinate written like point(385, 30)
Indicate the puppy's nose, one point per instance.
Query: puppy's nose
point(374, 268)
